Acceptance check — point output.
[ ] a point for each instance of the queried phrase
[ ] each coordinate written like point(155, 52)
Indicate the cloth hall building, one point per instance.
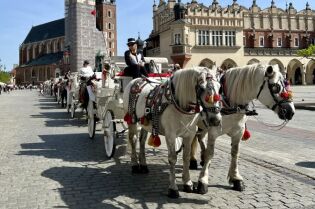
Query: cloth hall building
point(194, 34)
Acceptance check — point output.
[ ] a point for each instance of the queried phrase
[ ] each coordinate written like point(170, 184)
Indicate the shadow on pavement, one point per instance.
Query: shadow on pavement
point(114, 187)
point(306, 164)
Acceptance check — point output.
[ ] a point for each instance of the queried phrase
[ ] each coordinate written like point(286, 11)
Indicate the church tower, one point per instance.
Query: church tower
point(82, 38)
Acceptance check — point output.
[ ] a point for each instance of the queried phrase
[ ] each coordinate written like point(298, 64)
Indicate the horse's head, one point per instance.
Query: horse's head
point(209, 99)
point(275, 93)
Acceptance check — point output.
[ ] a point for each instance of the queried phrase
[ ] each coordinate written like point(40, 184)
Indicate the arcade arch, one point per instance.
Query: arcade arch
point(207, 63)
point(310, 72)
point(253, 61)
point(295, 72)
point(279, 63)
point(228, 63)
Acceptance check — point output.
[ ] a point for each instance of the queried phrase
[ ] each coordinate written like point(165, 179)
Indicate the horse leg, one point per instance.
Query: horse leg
point(193, 161)
point(234, 176)
point(172, 158)
point(142, 158)
point(208, 155)
point(202, 144)
point(131, 133)
point(187, 144)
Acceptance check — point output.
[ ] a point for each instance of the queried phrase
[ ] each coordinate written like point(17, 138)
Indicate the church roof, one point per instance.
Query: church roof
point(46, 31)
point(45, 59)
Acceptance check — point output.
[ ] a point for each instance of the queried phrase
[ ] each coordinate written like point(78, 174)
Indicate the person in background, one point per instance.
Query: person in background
point(86, 71)
point(134, 60)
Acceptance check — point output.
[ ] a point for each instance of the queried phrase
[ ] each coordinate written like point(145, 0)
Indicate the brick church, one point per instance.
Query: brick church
point(51, 49)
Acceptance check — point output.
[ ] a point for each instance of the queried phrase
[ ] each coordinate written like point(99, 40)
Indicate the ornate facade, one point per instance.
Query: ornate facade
point(194, 34)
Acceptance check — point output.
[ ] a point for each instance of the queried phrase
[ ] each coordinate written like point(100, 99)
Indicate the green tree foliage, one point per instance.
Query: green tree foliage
point(4, 77)
point(308, 53)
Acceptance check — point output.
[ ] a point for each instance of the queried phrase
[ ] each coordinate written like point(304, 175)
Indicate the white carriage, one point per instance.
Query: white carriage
point(109, 102)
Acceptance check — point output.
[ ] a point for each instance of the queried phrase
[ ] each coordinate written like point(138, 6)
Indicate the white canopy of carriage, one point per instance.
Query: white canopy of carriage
point(2, 84)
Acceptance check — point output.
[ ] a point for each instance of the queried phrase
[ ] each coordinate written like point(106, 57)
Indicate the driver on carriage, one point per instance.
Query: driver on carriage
point(134, 60)
point(86, 74)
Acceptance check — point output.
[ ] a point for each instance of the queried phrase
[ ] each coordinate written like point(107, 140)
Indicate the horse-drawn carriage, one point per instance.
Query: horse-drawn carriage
point(109, 102)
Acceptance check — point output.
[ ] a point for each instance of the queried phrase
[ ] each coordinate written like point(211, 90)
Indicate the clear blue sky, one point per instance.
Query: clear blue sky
point(18, 16)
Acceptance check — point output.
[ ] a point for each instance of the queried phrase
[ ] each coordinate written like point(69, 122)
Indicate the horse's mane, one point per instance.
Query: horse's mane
point(242, 83)
point(185, 82)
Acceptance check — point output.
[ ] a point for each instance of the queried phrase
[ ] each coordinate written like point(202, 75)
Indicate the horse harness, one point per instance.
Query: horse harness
point(157, 101)
point(227, 109)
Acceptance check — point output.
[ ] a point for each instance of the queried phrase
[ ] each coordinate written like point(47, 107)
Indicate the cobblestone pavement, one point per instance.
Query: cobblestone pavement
point(47, 161)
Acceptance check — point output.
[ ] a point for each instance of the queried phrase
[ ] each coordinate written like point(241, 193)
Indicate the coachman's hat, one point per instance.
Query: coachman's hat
point(131, 41)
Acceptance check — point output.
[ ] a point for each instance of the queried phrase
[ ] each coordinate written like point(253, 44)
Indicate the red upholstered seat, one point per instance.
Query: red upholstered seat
point(151, 75)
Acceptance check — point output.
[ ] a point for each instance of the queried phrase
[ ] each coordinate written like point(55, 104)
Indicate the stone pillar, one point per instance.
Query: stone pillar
point(304, 74)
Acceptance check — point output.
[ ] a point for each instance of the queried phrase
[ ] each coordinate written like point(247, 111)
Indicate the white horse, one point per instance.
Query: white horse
point(181, 94)
point(241, 86)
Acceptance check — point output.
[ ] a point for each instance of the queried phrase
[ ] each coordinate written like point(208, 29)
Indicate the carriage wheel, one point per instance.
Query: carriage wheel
point(91, 120)
point(178, 144)
point(91, 125)
point(109, 133)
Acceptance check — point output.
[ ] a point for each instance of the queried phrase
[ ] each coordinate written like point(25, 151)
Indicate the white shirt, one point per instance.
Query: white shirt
point(86, 71)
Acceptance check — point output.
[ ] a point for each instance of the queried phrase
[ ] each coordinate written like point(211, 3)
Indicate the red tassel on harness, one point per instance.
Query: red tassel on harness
point(128, 118)
point(216, 97)
point(154, 140)
point(246, 135)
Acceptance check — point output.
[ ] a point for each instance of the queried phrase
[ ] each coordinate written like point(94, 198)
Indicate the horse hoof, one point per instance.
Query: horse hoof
point(144, 169)
point(238, 185)
point(188, 189)
point(173, 193)
point(193, 165)
point(135, 169)
point(202, 163)
point(202, 188)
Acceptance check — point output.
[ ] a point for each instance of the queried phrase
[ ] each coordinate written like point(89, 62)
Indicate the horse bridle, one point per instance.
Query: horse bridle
point(206, 110)
point(274, 88)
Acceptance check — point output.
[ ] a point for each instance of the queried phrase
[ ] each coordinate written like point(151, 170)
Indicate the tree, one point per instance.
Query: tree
point(4, 76)
point(308, 53)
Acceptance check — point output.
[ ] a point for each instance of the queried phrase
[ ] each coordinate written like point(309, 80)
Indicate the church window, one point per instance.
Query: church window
point(296, 42)
point(109, 14)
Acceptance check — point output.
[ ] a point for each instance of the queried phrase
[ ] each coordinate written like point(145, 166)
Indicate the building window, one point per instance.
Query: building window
point(279, 42)
point(203, 37)
point(230, 38)
point(110, 35)
point(33, 73)
point(244, 41)
point(110, 45)
point(109, 14)
point(261, 41)
point(177, 40)
point(217, 38)
point(313, 41)
point(296, 42)
point(109, 26)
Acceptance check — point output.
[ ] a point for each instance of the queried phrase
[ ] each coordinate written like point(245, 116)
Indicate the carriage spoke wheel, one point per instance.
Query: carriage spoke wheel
point(91, 122)
point(109, 134)
point(178, 144)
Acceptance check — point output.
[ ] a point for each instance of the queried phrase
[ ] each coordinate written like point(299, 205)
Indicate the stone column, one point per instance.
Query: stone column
point(303, 74)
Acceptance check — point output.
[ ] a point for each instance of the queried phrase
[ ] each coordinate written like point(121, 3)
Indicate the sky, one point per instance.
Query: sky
point(133, 16)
